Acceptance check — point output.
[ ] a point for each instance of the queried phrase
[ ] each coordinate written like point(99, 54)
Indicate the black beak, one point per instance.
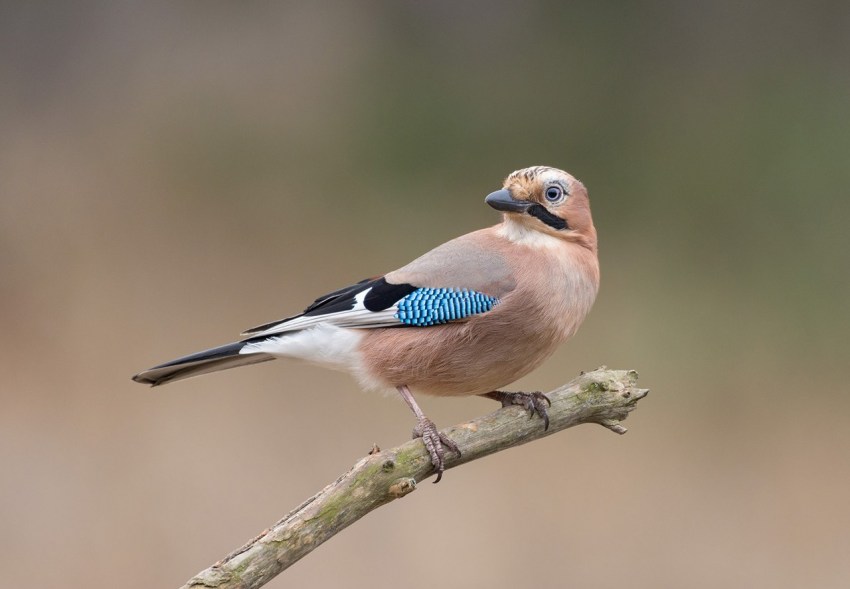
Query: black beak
point(501, 200)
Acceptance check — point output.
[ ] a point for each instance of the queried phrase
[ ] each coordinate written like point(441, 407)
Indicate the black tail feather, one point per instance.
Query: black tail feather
point(212, 360)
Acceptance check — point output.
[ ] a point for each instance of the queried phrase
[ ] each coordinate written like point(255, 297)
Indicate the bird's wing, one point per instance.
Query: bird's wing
point(471, 261)
point(332, 300)
point(452, 282)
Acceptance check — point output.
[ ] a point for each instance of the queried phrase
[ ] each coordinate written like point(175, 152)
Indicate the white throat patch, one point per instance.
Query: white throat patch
point(520, 233)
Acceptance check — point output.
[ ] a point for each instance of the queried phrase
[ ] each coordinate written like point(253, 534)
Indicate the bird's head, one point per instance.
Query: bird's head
point(545, 201)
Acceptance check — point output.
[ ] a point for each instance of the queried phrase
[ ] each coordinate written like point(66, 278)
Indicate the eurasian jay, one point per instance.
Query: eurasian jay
point(466, 318)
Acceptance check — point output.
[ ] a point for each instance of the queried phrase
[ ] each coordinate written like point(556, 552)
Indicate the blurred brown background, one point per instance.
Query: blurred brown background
point(171, 173)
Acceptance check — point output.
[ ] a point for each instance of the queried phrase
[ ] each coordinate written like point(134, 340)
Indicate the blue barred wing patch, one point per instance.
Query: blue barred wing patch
point(434, 306)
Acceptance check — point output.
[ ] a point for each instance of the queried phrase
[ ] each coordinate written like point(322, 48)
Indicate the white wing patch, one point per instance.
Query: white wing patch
point(357, 317)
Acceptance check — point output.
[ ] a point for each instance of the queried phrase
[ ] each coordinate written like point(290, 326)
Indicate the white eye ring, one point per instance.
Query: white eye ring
point(554, 193)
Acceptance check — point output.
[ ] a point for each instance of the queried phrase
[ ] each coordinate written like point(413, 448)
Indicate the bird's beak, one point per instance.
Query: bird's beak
point(501, 200)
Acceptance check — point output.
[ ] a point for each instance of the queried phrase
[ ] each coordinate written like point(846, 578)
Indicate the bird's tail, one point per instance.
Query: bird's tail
point(212, 360)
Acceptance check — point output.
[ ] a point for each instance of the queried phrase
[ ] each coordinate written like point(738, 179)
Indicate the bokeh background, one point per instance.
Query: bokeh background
point(171, 173)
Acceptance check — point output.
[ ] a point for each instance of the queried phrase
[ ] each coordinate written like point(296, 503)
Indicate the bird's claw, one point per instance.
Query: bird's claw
point(434, 442)
point(535, 403)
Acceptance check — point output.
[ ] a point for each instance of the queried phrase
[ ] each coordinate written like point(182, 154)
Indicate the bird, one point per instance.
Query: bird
point(466, 318)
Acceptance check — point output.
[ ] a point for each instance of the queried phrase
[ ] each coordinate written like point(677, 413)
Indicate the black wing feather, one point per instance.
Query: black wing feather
point(384, 295)
point(319, 303)
point(381, 296)
point(326, 298)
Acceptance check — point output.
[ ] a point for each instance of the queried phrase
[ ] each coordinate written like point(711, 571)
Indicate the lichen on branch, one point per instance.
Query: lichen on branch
point(602, 396)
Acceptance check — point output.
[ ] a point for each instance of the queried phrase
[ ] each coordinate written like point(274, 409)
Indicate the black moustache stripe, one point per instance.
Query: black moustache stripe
point(540, 212)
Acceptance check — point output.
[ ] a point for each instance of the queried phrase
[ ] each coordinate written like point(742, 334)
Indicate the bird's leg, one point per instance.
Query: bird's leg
point(425, 429)
point(536, 403)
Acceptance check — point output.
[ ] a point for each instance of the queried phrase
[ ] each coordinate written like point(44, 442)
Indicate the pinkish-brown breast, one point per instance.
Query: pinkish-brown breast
point(554, 290)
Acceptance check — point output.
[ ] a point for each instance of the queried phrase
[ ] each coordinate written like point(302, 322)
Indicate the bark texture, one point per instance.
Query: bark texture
point(603, 396)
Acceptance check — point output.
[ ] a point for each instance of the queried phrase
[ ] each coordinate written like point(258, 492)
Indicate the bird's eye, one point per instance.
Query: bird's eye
point(554, 193)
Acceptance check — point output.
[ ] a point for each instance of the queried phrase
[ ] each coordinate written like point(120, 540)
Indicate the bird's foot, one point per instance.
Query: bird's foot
point(536, 403)
point(434, 442)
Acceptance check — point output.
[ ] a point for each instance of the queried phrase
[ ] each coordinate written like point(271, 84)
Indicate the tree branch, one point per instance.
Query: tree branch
point(603, 396)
